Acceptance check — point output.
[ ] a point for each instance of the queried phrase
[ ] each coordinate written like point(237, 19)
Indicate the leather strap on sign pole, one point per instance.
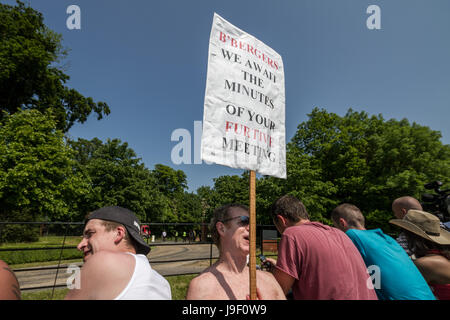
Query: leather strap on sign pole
point(252, 259)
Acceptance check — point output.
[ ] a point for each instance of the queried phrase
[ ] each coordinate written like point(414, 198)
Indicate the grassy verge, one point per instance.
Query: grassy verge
point(47, 241)
point(178, 284)
point(15, 258)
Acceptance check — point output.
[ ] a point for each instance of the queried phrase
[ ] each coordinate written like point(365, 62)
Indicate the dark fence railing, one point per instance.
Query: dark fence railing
point(154, 239)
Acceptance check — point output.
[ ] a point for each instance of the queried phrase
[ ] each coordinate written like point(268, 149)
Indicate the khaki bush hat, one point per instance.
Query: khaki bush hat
point(424, 224)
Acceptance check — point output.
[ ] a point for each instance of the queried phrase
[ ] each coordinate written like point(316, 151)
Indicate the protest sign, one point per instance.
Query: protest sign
point(244, 110)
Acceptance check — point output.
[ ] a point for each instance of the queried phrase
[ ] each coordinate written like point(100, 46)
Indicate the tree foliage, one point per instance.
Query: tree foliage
point(29, 75)
point(116, 177)
point(37, 177)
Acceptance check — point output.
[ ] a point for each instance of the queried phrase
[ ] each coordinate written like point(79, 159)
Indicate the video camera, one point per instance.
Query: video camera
point(437, 204)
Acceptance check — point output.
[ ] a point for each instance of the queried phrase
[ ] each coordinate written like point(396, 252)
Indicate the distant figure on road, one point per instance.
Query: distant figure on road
point(115, 262)
point(164, 235)
point(9, 286)
point(228, 278)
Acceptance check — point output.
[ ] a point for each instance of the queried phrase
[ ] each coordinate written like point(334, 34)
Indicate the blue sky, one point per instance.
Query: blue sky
point(148, 61)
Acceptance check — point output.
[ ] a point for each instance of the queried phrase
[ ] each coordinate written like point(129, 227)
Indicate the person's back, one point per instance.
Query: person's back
point(399, 277)
point(325, 264)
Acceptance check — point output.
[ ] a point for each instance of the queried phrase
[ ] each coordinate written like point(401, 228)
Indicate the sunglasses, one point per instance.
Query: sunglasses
point(244, 220)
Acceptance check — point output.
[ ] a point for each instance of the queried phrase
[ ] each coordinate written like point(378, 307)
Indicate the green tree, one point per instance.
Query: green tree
point(357, 158)
point(170, 181)
point(232, 189)
point(29, 75)
point(117, 177)
point(304, 181)
point(37, 177)
point(368, 161)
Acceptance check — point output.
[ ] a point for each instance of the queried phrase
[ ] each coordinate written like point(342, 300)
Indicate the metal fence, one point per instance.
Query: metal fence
point(176, 236)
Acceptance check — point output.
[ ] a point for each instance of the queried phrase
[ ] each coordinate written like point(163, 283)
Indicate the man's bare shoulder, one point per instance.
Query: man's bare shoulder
point(10, 286)
point(6, 273)
point(203, 286)
point(435, 268)
point(269, 286)
point(104, 275)
point(265, 276)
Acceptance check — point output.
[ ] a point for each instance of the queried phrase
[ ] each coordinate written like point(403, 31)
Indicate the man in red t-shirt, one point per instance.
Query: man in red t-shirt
point(317, 261)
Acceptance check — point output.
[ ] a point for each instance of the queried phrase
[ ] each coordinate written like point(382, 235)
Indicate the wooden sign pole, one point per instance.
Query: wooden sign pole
point(252, 259)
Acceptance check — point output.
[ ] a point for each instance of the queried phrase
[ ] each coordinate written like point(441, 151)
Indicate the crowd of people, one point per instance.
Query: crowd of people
point(315, 261)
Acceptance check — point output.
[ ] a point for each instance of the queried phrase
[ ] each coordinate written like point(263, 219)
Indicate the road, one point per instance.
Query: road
point(30, 278)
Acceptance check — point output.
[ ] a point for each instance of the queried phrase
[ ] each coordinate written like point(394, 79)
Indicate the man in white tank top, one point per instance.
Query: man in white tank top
point(115, 260)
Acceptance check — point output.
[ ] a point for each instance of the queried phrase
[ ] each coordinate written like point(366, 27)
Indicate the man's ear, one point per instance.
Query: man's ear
point(220, 228)
point(343, 223)
point(404, 212)
point(120, 234)
point(281, 220)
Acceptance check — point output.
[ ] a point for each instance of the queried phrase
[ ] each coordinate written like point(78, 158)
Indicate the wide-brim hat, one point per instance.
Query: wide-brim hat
point(425, 225)
point(128, 219)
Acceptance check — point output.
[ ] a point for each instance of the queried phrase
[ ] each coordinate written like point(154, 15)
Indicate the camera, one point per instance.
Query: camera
point(439, 203)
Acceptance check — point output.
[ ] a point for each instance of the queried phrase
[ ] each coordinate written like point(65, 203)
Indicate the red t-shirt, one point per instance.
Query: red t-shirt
point(325, 264)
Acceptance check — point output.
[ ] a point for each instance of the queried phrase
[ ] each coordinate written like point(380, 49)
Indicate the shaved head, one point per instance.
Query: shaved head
point(351, 214)
point(402, 205)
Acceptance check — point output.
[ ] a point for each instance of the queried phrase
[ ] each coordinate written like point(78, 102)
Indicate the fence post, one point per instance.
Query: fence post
point(59, 262)
point(210, 254)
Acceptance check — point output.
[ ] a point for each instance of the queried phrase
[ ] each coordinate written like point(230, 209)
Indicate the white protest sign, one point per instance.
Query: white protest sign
point(244, 112)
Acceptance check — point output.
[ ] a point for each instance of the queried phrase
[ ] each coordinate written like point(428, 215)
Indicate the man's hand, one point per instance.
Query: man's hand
point(270, 263)
point(258, 295)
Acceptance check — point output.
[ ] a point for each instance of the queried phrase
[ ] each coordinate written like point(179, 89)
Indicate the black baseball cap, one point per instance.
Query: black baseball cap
point(129, 221)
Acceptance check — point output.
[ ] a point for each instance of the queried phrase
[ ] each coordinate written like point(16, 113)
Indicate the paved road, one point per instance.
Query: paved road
point(37, 278)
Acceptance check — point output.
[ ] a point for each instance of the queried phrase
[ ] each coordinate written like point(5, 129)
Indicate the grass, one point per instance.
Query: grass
point(15, 258)
point(178, 284)
point(25, 257)
point(59, 294)
point(47, 241)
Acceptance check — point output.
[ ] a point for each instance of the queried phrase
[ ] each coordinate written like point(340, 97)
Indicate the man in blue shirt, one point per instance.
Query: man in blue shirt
point(396, 277)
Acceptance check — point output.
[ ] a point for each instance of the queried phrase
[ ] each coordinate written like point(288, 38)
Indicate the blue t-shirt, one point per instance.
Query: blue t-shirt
point(398, 278)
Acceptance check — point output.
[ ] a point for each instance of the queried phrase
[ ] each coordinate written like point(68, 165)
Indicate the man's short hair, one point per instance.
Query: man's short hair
point(291, 208)
point(349, 213)
point(111, 226)
point(220, 214)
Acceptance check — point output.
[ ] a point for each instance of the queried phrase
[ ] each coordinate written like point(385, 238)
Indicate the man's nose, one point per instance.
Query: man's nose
point(82, 244)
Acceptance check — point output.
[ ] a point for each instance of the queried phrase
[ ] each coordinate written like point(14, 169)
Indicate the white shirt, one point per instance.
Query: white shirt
point(145, 283)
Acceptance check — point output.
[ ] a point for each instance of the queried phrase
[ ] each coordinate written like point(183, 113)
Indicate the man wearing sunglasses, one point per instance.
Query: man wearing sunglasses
point(228, 278)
